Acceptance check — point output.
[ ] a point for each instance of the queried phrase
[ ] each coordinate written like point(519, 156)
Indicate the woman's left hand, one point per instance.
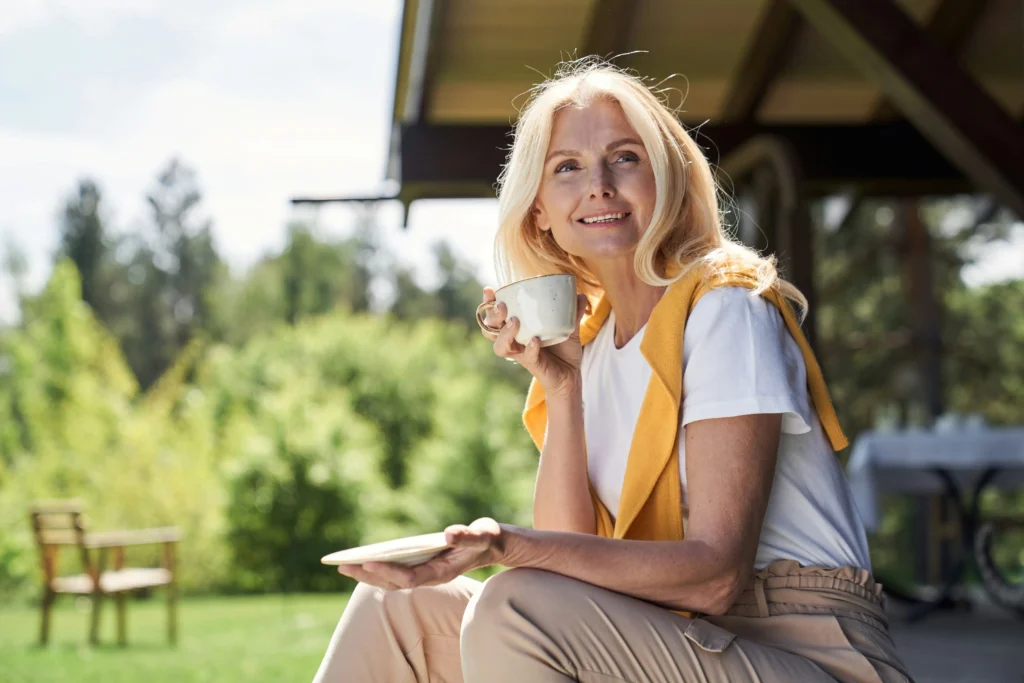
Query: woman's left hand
point(480, 544)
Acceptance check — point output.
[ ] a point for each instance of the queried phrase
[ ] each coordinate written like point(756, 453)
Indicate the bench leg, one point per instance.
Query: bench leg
point(122, 617)
point(94, 621)
point(172, 595)
point(172, 613)
point(44, 622)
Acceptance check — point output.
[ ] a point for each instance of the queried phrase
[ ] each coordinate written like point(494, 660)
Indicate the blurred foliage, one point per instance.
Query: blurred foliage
point(152, 287)
point(271, 441)
point(287, 412)
point(271, 455)
point(868, 349)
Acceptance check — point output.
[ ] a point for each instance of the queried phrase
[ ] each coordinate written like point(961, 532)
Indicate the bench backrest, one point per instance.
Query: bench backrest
point(58, 523)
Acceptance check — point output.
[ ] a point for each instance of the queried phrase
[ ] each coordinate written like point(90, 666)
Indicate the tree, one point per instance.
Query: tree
point(83, 240)
point(456, 298)
point(319, 276)
point(15, 267)
point(183, 250)
point(460, 291)
point(171, 274)
point(872, 352)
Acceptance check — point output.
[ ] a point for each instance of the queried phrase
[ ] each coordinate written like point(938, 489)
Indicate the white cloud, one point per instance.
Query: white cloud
point(252, 150)
point(468, 225)
point(88, 15)
point(270, 17)
point(252, 155)
point(249, 17)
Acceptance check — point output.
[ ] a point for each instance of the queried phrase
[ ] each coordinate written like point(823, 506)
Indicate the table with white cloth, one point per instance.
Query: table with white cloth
point(958, 464)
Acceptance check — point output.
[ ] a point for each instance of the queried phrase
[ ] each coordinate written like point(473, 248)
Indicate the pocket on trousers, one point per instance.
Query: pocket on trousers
point(708, 636)
point(875, 649)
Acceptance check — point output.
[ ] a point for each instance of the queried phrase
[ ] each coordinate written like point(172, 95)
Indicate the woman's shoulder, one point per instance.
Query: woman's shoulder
point(733, 303)
point(726, 318)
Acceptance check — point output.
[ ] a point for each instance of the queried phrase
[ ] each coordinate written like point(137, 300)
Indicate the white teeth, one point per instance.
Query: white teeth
point(605, 218)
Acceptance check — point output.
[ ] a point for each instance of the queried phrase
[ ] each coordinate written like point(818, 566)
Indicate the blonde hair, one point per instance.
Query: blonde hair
point(686, 229)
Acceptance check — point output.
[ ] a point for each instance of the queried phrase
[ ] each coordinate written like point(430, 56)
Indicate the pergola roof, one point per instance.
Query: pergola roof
point(480, 56)
point(886, 96)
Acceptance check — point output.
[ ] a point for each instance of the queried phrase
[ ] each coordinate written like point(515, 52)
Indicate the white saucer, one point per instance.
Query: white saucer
point(408, 551)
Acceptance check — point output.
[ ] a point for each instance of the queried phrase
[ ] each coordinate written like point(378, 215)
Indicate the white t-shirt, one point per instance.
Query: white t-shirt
point(738, 359)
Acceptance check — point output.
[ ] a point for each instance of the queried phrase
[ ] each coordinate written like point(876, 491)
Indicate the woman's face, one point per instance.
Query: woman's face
point(597, 193)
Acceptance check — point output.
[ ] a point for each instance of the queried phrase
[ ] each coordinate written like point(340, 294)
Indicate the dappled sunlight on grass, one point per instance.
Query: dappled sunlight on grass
point(223, 640)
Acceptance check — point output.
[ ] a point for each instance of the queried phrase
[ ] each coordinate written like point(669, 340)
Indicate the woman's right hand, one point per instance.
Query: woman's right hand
point(556, 367)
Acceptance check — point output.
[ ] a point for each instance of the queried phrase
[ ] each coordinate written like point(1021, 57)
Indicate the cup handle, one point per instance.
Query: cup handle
point(481, 310)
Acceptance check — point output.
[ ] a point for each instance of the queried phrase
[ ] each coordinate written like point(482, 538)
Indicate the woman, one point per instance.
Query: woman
point(691, 522)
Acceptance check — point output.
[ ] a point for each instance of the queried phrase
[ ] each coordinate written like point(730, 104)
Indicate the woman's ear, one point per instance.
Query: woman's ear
point(540, 217)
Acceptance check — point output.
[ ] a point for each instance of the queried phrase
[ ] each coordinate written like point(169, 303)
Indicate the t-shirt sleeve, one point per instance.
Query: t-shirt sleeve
point(740, 359)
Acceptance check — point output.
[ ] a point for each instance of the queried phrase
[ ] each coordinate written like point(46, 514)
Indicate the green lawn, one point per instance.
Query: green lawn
point(275, 638)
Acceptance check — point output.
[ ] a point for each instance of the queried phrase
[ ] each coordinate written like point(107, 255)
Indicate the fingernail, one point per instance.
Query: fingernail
point(513, 320)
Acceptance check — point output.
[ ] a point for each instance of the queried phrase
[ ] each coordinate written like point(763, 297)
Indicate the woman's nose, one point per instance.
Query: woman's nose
point(601, 184)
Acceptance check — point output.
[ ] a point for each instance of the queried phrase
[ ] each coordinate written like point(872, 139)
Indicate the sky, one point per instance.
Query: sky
point(265, 99)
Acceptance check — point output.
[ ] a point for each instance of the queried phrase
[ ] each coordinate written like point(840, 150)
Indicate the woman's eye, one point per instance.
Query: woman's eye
point(627, 156)
point(566, 166)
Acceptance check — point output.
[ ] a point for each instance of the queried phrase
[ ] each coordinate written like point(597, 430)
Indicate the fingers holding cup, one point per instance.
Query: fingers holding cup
point(505, 344)
point(531, 354)
point(490, 314)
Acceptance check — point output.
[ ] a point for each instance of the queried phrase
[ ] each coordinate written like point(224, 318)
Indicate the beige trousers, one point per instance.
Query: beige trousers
point(523, 625)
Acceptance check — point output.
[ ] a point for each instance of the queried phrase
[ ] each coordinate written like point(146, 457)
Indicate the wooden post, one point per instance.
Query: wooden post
point(51, 554)
point(120, 597)
point(172, 595)
point(926, 340)
point(919, 288)
point(97, 596)
point(44, 625)
point(775, 169)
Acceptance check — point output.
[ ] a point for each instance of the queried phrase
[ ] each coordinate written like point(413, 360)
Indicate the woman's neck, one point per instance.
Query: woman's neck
point(631, 298)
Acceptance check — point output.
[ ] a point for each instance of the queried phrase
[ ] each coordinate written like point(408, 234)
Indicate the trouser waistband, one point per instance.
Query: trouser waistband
point(784, 587)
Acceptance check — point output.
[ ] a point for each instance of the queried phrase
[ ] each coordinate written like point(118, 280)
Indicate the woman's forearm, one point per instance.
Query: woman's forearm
point(561, 498)
point(683, 575)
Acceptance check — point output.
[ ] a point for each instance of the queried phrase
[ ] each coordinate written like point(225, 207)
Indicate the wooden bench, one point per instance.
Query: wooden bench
point(62, 523)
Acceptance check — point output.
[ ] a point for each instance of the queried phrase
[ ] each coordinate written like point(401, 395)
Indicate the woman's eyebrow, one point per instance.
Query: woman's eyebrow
point(562, 153)
point(623, 141)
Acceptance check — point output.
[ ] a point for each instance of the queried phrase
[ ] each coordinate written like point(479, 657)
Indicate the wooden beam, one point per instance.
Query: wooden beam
point(954, 21)
point(880, 158)
point(930, 88)
point(423, 33)
point(405, 41)
point(435, 53)
point(611, 23)
point(766, 57)
point(951, 25)
point(772, 167)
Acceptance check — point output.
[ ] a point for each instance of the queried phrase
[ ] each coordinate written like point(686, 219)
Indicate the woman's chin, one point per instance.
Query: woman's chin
point(609, 251)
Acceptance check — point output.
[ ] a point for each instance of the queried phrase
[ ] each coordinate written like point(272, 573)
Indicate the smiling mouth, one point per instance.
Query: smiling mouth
point(604, 218)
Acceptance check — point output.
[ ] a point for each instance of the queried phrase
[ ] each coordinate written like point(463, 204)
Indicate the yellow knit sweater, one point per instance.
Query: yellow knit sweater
point(650, 507)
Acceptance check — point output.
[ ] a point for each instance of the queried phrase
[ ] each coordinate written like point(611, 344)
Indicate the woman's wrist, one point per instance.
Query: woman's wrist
point(514, 547)
point(568, 388)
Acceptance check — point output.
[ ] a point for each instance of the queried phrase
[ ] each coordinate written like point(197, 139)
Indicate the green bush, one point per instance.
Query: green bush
point(285, 512)
point(73, 425)
point(339, 430)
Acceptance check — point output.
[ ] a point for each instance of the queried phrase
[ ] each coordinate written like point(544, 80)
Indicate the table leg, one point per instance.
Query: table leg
point(968, 517)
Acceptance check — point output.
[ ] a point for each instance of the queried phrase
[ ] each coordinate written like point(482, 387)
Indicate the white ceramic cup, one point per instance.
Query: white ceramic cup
point(545, 306)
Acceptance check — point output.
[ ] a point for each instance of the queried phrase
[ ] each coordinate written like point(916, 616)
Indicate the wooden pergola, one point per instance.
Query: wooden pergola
point(792, 99)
